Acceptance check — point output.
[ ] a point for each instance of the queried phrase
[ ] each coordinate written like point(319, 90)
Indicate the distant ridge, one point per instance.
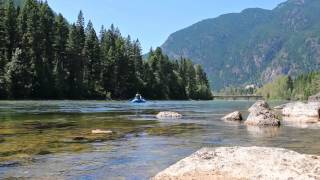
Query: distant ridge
point(253, 46)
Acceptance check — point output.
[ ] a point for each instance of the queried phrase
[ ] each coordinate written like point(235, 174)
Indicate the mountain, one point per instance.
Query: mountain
point(254, 46)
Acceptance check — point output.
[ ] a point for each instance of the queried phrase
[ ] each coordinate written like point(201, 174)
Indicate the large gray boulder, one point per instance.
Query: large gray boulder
point(302, 112)
point(258, 106)
point(244, 163)
point(235, 116)
point(262, 115)
point(315, 98)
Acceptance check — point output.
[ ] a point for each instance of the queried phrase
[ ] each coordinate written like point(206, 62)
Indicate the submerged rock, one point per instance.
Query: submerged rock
point(172, 130)
point(302, 112)
point(39, 125)
point(235, 116)
point(99, 131)
point(243, 163)
point(168, 115)
point(262, 115)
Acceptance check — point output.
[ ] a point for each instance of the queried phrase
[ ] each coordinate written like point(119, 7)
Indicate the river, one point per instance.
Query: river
point(53, 140)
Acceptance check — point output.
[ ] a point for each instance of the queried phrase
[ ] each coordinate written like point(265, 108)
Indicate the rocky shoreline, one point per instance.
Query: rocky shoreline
point(254, 162)
point(243, 163)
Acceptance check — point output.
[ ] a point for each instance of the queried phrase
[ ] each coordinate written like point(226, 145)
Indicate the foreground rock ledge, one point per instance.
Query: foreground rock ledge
point(244, 163)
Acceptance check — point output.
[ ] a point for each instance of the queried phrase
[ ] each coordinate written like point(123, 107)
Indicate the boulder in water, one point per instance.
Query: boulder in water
point(262, 115)
point(302, 112)
point(168, 115)
point(258, 106)
point(99, 131)
point(235, 116)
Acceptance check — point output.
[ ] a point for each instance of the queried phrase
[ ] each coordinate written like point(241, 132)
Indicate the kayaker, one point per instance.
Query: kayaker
point(138, 99)
point(138, 96)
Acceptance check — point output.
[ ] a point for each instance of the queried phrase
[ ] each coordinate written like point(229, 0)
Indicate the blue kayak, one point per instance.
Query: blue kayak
point(138, 101)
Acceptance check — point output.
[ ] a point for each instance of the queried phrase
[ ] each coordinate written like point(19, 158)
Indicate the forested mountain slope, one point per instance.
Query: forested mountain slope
point(253, 46)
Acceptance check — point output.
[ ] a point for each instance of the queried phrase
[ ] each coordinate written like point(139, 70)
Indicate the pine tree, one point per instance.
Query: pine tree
point(150, 82)
point(160, 66)
point(120, 69)
point(46, 33)
point(74, 64)
point(93, 62)
point(29, 45)
point(60, 57)
point(191, 81)
point(138, 65)
point(18, 77)
point(10, 22)
point(80, 32)
point(132, 79)
point(3, 57)
point(203, 89)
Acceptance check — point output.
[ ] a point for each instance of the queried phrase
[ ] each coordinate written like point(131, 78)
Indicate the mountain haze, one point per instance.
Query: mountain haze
point(253, 46)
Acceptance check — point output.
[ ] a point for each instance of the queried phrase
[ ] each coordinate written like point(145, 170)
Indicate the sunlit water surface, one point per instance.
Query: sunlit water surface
point(53, 140)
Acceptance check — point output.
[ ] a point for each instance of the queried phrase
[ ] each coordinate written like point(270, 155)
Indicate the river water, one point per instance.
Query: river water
point(53, 140)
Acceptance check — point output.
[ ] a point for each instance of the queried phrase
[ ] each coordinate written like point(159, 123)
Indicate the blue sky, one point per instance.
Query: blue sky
point(152, 21)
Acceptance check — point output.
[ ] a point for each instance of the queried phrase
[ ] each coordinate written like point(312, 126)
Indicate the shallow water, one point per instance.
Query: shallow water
point(53, 140)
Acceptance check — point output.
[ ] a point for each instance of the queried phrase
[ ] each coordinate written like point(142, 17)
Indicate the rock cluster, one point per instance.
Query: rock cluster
point(168, 115)
point(244, 163)
point(262, 115)
point(235, 116)
point(302, 112)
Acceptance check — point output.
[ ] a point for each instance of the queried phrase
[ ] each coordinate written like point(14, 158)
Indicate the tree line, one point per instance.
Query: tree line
point(42, 56)
point(286, 87)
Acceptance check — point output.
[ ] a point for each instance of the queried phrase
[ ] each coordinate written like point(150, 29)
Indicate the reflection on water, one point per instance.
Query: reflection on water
point(52, 139)
point(311, 123)
point(256, 131)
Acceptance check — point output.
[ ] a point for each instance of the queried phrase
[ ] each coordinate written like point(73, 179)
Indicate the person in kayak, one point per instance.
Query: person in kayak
point(138, 96)
point(138, 99)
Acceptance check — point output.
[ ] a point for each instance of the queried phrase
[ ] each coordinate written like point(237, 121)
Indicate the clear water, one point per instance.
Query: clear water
point(52, 139)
